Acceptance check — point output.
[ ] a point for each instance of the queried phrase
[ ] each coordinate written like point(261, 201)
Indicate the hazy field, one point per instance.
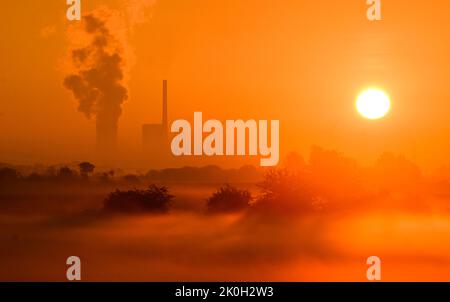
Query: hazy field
point(37, 235)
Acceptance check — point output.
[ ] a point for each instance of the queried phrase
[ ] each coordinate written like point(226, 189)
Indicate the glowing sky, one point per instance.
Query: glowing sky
point(302, 62)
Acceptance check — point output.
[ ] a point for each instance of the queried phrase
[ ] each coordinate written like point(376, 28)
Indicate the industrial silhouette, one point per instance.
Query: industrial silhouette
point(155, 137)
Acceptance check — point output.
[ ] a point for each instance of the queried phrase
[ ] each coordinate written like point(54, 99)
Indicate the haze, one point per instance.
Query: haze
point(302, 62)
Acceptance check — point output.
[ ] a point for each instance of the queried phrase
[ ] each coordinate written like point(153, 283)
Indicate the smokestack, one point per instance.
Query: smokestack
point(164, 113)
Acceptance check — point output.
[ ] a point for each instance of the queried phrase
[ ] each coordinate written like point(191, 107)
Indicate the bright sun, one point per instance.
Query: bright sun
point(373, 104)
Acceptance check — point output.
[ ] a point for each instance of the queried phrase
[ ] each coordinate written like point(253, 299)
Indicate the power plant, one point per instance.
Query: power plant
point(155, 137)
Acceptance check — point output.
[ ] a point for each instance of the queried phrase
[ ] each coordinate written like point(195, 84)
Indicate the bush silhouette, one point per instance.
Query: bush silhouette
point(285, 191)
point(66, 174)
point(155, 199)
point(86, 168)
point(9, 175)
point(228, 199)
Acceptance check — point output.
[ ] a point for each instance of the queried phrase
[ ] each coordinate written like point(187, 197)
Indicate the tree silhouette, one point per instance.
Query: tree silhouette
point(9, 175)
point(86, 168)
point(155, 199)
point(228, 199)
point(285, 191)
point(66, 174)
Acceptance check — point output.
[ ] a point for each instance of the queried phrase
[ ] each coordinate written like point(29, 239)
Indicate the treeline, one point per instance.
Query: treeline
point(86, 171)
point(329, 182)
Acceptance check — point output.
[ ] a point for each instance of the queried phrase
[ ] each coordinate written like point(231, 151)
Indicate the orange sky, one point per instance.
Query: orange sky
point(302, 62)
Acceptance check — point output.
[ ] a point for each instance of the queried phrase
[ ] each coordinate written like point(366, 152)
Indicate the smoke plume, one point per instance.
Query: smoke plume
point(99, 60)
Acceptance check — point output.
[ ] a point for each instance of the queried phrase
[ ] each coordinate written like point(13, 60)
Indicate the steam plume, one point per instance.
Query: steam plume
point(99, 61)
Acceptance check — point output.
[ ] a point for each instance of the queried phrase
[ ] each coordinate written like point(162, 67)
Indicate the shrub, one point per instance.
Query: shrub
point(66, 174)
point(285, 191)
point(86, 168)
point(9, 175)
point(228, 199)
point(155, 199)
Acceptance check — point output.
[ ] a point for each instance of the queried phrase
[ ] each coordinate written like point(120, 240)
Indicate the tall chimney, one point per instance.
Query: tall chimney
point(164, 113)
